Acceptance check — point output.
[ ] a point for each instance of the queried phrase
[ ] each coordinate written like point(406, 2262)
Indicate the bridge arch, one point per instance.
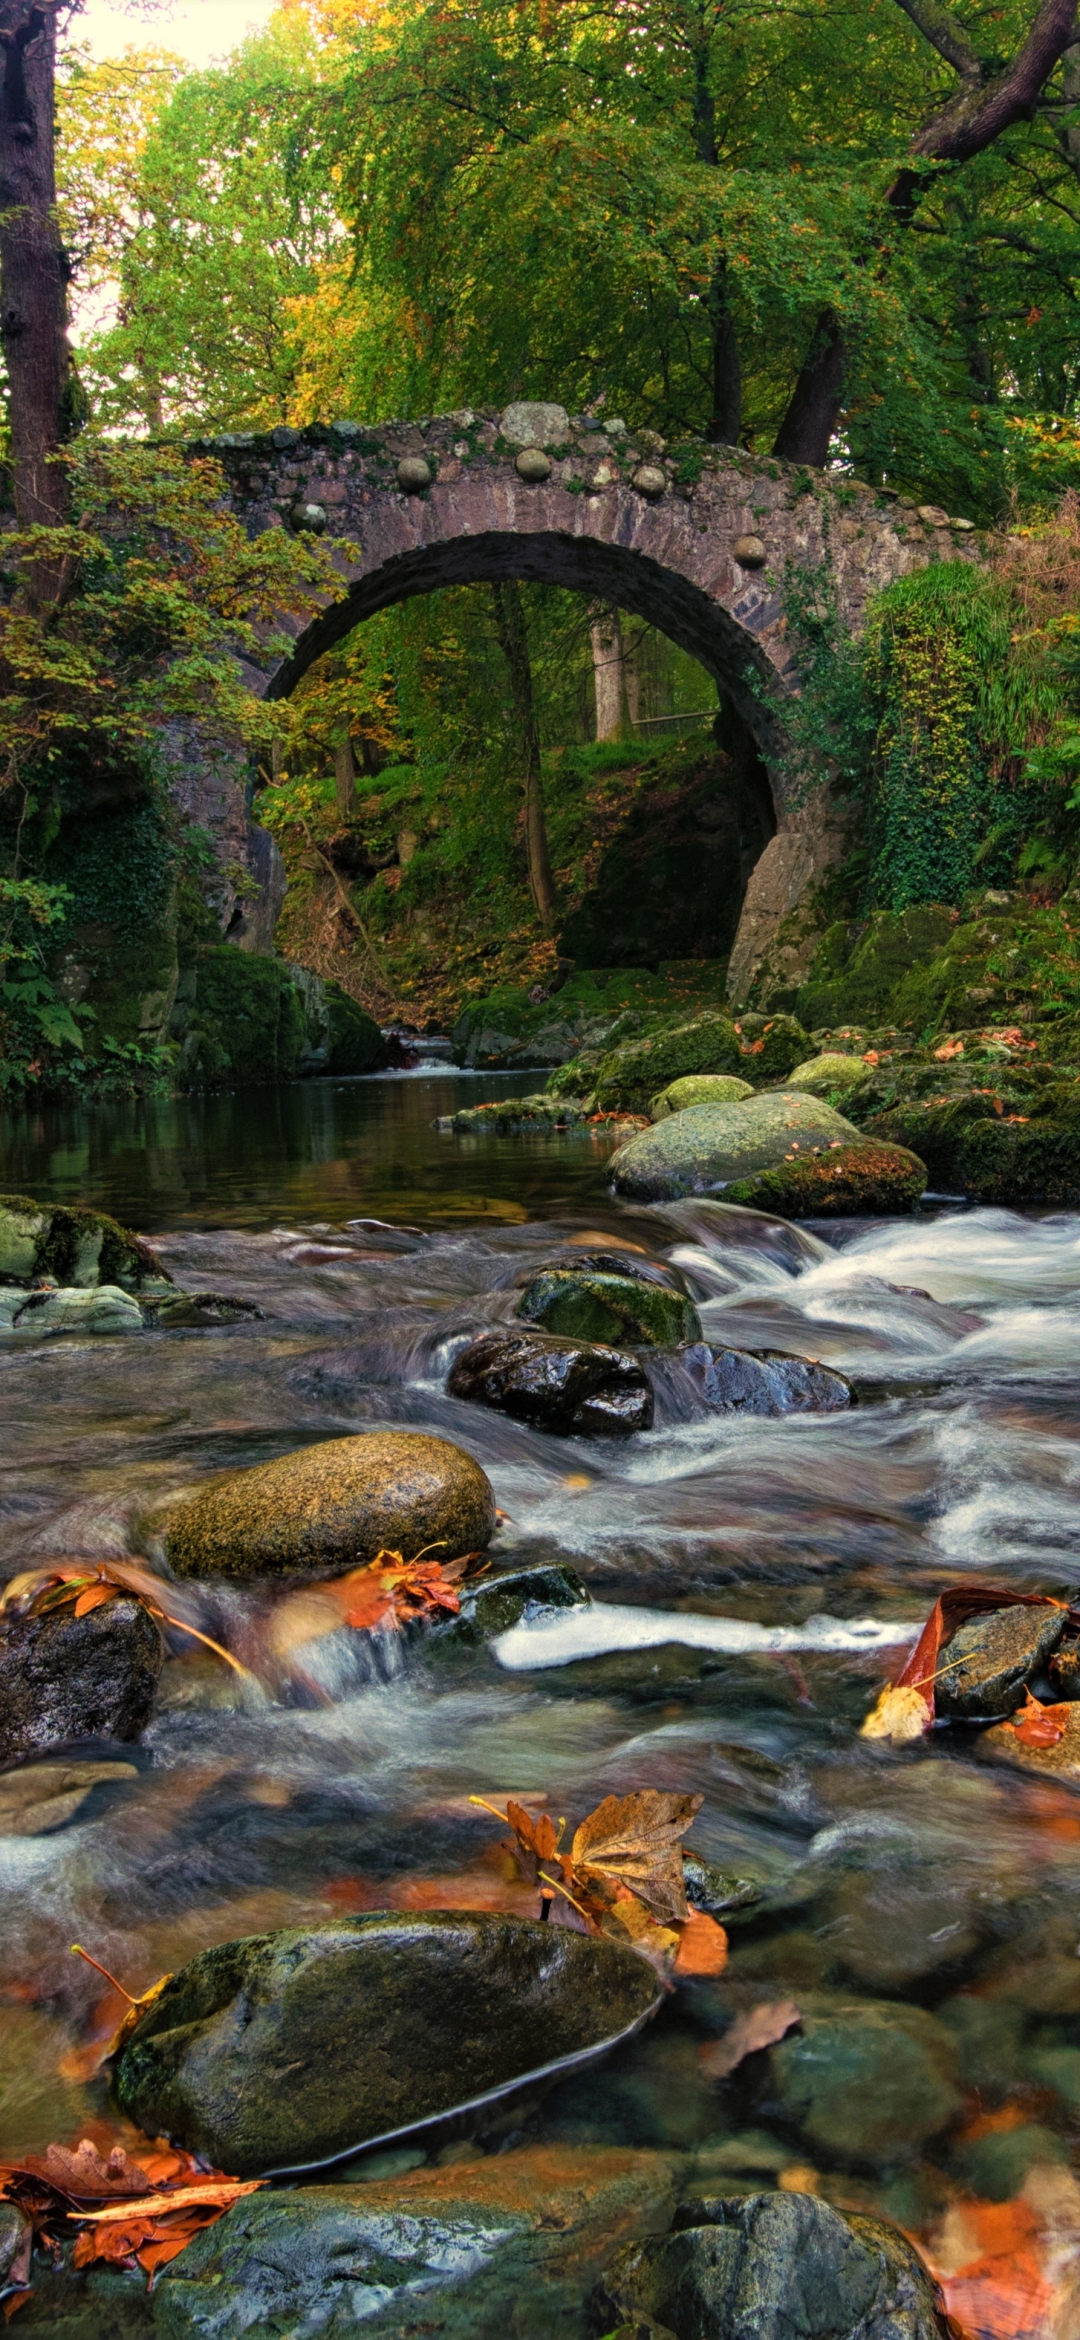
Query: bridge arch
point(694, 539)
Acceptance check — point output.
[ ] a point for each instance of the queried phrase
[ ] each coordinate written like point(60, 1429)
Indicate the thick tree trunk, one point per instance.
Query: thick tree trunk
point(806, 432)
point(345, 779)
point(33, 271)
point(725, 421)
point(605, 633)
point(514, 643)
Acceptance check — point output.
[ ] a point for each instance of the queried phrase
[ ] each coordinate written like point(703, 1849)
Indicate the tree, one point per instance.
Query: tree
point(514, 643)
point(34, 272)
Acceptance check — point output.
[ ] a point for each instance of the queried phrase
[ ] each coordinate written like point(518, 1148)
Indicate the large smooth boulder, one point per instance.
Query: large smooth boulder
point(576, 1389)
point(710, 1146)
point(508, 2244)
point(775, 2266)
point(286, 2050)
point(763, 1381)
point(698, 1089)
point(864, 2081)
point(867, 1180)
point(593, 1305)
point(333, 1506)
point(64, 1678)
point(73, 1245)
point(985, 1667)
point(98, 1308)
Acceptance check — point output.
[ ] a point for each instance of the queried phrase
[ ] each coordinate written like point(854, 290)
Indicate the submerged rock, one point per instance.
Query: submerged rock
point(595, 1305)
point(773, 2265)
point(711, 1146)
point(573, 1388)
point(698, 1089)
point(38, 1798)
point(864, 1180)
point(286, 2050)
point(865, 2081)
point(97, 1308)
point(333, 1506)
point(64, 1677)
point(992, 1658)
point(717, 1891)
point(1061, 1758)
point(763, 1381)
point(510, 2243)
point(175, 1310)
point(515, 1596)
point(73, 1245)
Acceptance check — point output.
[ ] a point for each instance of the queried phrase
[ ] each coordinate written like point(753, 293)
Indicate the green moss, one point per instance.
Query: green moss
point(356, 1043)
point(247, 1026)
point(843, 1182)
point(994, 1157)
point(597, 1307)
point(73, 1245)
point(856, 972)
point(629, 1076)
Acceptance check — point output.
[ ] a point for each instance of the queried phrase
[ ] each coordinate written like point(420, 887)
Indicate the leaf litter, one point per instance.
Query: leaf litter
point(906, 1707)
point(622, 1876)
point(128, 2212)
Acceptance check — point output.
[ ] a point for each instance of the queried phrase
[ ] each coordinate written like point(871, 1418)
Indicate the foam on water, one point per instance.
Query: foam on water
point(607, 1626)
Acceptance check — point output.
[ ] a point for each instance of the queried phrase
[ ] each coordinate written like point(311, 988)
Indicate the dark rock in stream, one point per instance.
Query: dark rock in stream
point(508, 2244)
point(515, 1596)
point(595, 1305)
point(717, 1891)
point(992, 1658)
point(333, 1506)
point(864, 2081)
point(768, 2267)
point(171, 1311)
point(573, 1388)
point(65, 1678)
point(763, 1381)
point(287, 2050)
point(1064, 1669)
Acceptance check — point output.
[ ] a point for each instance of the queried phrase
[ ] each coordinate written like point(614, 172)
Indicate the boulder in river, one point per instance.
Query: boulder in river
point(864, 2081)
point(711, 1146)
point(763, 1381)
point(333, 1506)
point(512, 2242)
point(867, 1180)
point(992, 1658)
point(698, 1089)
point(1059, 1757)
point(591, 1305)
point(830, 1075)
point(95, 1308)
point(288, 2050)
point(64, 1678)
point(73, 1245)
point(513, 1597)
point(577, 1389)
point(772, 2265)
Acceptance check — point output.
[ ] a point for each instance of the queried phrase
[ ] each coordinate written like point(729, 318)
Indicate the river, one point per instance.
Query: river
point(756, 1579)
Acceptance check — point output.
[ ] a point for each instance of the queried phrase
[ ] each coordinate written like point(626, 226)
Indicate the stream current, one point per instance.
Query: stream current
point(754, 1582)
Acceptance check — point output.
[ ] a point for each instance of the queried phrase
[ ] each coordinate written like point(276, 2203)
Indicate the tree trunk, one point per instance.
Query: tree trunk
point(345, 779)
point(725, 421)
point(514, 644)
point(33, 272)
point(605, 634)
point(805, 434)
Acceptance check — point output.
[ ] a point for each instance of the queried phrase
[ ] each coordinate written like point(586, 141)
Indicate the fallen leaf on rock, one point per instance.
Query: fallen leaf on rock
point(86, 1584)
point(623, 1874)
point(703, 1945)
point(148, 2208)
point(1037, 1725)
point(634, 1840)
point(895, 1716)
point(388, 1591)
point(761, 2028)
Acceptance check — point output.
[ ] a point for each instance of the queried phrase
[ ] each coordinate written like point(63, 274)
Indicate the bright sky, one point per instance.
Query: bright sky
point(196, 29)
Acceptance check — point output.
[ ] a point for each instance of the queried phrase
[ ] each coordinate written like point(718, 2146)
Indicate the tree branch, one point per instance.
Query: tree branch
point(940, 27)
point(977, 115)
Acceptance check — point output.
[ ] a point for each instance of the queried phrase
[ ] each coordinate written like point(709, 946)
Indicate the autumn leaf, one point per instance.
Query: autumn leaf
point(85, 1585)
point(634, 1841)
point(1037, 1725)
point(898, 1714)
point(703, 1945)
point(147, 2210)
point(906, 1706)
point(761, 2028)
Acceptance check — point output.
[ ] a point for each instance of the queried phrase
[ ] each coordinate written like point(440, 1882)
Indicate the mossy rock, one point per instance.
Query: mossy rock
point(698, 1089)
point(73, 1245)
point(710, 1147)
point(333, 1506)
point(993, 1158)
point(502, 1116)
point(856, 973)
point(629, 1076)
point(866, 1180)
point(248, 1023)
point(770, 1045)
point(587, 1306)
point(355, 1043)
point(829, 1075)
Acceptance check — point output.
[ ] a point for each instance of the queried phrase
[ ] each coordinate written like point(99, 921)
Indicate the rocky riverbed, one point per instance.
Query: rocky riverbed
point(843, 1418)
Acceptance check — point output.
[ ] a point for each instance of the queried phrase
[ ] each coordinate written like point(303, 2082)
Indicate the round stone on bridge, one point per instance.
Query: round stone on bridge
point(413, 475)
point(751, 552)
point(649, 480)
point(533, 464)
point(534, 423)
point(308, 519)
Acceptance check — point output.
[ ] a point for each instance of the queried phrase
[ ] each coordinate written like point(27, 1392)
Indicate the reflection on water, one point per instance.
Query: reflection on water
point(924, 1878)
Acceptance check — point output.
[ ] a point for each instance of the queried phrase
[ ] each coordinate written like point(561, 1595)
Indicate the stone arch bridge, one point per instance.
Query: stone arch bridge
point(693, 538)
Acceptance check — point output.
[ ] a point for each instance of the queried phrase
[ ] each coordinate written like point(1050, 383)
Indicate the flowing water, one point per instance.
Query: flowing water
point(755, 1581)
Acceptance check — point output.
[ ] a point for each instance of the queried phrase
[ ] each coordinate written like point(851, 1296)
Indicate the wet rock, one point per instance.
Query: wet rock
point(856, 1181)
point(14, 2236)
point(504, 1115)
point(41, 1797)
point(97, 1308)
point(713, 1146)
point(1004, 1745)
point(610, 1263)
point(64, 1677)
point(513, 1598)
point(73, 1245)
point(333, 1506)
point(763, 1381)
point(289, 2049)
point(698, 1089)
point(175, 1310)
point(992, 1658)
point(572, 1388)
point(995, 2165)
point(588, 1305)
point(1064, 1669)
point(716, 1891)
point(772, 2266)
point(511, 2243)
point(864, 2081)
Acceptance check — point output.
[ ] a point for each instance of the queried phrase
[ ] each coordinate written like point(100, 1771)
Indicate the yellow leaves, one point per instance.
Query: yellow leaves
point(622, 1876)
point(634, 1841)
point(899, 1714)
